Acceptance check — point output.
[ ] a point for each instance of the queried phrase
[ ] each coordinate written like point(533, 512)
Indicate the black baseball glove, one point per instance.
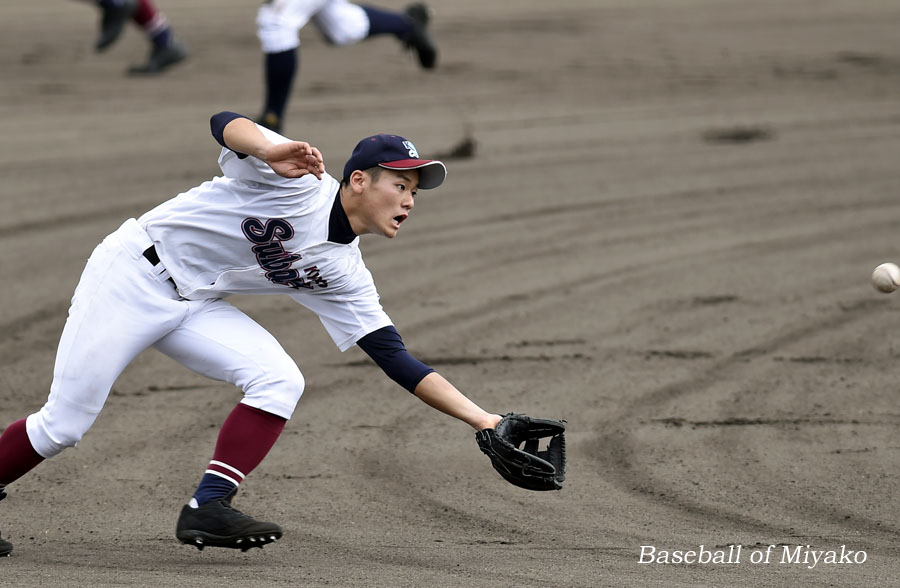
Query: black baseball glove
point(526, 467)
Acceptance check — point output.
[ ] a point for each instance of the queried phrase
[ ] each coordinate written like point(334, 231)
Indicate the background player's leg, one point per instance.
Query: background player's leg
point(279, 71)
point(344, 23)
point(114, 15)
point(166, 49)
point(278, 25)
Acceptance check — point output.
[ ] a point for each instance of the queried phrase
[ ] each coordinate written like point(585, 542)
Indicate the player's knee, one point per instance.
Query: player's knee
point(276, 36)
point(50, 436)
point(278, 41)
point(292, 387)
point(343, 23)
point(345, 36)
point(277, 393)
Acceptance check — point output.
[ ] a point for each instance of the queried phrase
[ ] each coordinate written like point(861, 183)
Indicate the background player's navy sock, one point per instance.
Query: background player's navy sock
point(162, 38)
point(383, 22)
point(154, 23)
point(280, 70)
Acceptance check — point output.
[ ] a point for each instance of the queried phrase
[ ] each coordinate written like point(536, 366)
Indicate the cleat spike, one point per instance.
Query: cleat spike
point(273, 538)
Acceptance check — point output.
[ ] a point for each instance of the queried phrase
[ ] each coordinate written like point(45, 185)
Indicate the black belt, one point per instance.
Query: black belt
point(152, 256)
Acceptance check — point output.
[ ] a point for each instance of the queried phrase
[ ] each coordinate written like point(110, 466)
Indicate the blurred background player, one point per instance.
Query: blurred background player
point(342, 23)
point(165, 48)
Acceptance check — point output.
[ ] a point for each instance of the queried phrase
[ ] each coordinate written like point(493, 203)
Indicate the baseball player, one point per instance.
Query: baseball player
point(341, 23)
point(165, 48)
point(275, 222)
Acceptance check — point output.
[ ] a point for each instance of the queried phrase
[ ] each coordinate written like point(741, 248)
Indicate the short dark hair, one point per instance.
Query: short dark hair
point(374, 172)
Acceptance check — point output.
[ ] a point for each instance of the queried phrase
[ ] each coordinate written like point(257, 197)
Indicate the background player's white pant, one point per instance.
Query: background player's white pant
point(122, 306)
point(278, 22)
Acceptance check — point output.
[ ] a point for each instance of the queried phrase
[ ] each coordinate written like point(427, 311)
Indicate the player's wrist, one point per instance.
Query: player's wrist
point(487, 421)
point(264, 152)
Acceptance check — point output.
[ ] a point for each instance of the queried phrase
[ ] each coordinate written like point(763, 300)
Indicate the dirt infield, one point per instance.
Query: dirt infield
point(664, 236)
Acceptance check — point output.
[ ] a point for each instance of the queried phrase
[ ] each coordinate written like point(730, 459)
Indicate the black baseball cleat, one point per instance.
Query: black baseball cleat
point(420, 40)
point(5, 547)
point(161, 58)
point(218, 524)
point(112, 22)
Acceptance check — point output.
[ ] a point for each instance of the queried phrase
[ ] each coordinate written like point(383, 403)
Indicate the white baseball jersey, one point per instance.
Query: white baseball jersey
point(255, 232)
point(250, 232)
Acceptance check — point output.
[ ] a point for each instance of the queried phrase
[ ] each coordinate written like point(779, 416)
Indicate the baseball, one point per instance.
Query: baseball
point(886, 277)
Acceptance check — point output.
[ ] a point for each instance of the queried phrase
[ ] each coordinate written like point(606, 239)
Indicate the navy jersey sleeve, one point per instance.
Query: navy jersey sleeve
point(386, 348)
point(217, 124)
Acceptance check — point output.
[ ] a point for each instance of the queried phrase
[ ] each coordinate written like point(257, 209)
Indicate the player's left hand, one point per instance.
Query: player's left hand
point(295, 159)
point(527, 467)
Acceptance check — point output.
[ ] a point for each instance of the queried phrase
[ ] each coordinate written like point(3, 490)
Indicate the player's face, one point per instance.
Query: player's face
point(389, 200)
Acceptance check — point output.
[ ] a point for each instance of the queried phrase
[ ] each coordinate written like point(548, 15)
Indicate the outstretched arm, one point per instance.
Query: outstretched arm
point(386, 347)
point(292, 159)
point(438, 393)
point(498, 436)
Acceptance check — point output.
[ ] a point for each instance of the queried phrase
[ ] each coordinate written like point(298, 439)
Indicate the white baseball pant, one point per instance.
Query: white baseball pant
point(279, 22)
point(124, 305)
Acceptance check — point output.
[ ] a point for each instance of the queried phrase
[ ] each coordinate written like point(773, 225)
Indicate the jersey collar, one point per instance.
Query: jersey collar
point(339, 229)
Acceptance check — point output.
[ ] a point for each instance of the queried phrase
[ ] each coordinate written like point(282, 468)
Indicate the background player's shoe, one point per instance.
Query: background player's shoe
point(218, 524)
point(270, 120)
point(419, 39)
point(112, 22)
point(161, 58)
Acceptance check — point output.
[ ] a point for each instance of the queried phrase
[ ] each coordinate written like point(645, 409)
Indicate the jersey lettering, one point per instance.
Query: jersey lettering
point(272, 257)
point(274, 228)
point(312, 273)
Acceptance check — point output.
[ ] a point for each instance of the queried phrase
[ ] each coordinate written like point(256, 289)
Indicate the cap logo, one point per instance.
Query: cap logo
point(411, 149)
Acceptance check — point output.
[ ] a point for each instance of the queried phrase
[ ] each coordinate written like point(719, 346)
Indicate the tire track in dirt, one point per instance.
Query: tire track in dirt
point(620, 458)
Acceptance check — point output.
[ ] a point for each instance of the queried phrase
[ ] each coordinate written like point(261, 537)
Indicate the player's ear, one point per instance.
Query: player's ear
point(359, 181)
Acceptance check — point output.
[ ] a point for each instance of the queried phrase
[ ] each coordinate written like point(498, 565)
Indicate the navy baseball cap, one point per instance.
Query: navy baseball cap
point(395, 152)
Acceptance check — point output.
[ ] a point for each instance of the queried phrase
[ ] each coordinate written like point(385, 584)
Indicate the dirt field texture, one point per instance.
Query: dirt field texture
point(665, 236)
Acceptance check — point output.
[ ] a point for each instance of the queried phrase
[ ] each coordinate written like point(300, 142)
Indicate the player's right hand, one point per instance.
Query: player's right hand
point(295, 159)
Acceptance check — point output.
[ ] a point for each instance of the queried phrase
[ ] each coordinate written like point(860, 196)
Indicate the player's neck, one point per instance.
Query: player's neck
point(354, 213)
